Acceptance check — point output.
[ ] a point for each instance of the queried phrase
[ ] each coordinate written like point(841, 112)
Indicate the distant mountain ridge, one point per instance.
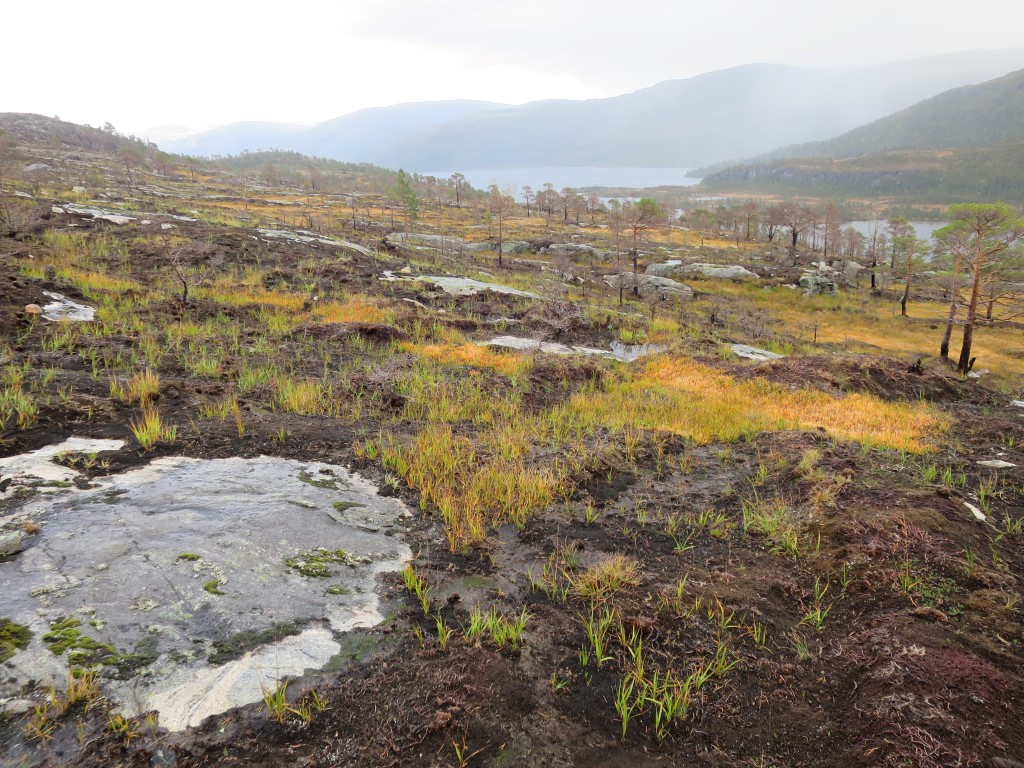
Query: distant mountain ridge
point(969, 116)
point(359, 137)
point(717, 116)
point(966, 143)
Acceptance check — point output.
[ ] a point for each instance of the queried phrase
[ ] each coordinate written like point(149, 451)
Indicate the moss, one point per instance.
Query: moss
point(190, 556)
point(341, 506)
point(337, 589)
point(317, 562)
point(358, 647)
point(13, 638)
point(243, 642)
point(211, 587)
point(318, 482)
point(63, 634)
point(128, 664)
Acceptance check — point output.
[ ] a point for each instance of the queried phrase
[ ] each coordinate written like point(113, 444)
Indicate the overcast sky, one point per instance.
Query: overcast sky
point(206, 63)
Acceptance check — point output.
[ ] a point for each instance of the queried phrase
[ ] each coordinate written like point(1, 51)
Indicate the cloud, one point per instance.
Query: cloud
point(203, 63)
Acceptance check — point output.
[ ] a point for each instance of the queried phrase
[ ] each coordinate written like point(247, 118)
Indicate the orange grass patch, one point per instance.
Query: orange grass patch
point(472, 355)
point(704, 404)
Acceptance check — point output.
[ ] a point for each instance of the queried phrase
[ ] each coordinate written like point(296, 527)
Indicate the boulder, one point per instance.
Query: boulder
point(817, 284)
point(573, 250)
point(507, 247)
point(651, 285)
point(11, 543)
point(664, 269)
point(754, 353)
point(718, 271)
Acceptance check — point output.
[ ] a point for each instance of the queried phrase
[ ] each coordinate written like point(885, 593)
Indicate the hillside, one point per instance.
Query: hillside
point(36, 130)
point(291, 478)
point(966, 143)
point(700, 120)
point(971, 116)
point(927, 176)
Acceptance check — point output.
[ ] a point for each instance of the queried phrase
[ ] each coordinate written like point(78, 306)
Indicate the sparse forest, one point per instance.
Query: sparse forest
point(499, 477)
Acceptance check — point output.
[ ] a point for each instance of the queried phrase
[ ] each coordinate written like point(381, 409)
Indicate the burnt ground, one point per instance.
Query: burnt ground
point(917, 661)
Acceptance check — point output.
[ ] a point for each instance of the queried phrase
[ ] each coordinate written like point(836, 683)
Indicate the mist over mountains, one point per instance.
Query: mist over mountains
point(714, 117)
point(964, 144)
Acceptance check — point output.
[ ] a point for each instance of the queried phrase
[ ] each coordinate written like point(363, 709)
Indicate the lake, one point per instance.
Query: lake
point(924, 229)
point(574, 178)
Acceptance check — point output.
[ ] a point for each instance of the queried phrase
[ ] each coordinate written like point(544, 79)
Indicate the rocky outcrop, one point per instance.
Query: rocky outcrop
point(818, 284)
point(717, 271)
point(650, 285)
point(573, 251)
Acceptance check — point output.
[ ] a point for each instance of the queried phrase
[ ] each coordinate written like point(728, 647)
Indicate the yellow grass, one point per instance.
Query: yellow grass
point(356, 309)
point(471, 493)
point(697, 401)
point(860, 322)
point(238, 298)
point(472, 355)
point(89, 282)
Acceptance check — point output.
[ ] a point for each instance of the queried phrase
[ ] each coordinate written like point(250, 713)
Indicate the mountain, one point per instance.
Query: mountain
point(358, 137)
point(971, 116)
point(966, 143)
point(709, 118)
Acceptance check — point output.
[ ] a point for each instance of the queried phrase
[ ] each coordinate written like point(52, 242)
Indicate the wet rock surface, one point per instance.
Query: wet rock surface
point(154, 573)
point(618, 350)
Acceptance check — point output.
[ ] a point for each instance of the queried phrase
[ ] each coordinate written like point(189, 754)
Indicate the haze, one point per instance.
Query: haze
point(205, 64)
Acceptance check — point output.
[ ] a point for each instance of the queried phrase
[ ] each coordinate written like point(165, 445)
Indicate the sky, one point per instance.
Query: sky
point(139, 65)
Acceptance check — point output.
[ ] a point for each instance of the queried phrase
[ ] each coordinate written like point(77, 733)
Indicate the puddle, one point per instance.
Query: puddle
point(302, 236)
point(618, 351)
point(175, 561)
point(458, 286)
point(753, 353)
point(63, 309)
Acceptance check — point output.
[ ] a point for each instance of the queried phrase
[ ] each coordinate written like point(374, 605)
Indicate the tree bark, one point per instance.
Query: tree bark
point(954, 302)
point(964, 364)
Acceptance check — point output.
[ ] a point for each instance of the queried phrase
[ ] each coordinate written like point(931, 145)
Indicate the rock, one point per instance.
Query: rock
point(33, 309)
point(64, 309)
point(978, 514)
point(651, 285)
point(15, 706)
point(718, 271)
point(572, 250)
point(753, 353)
point(664, 269)
point(78, 190)
point(11, 543)
point(36, 167)
point(996, 464)
point(507, 247)
point(1017, 403)
point(818, 285)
